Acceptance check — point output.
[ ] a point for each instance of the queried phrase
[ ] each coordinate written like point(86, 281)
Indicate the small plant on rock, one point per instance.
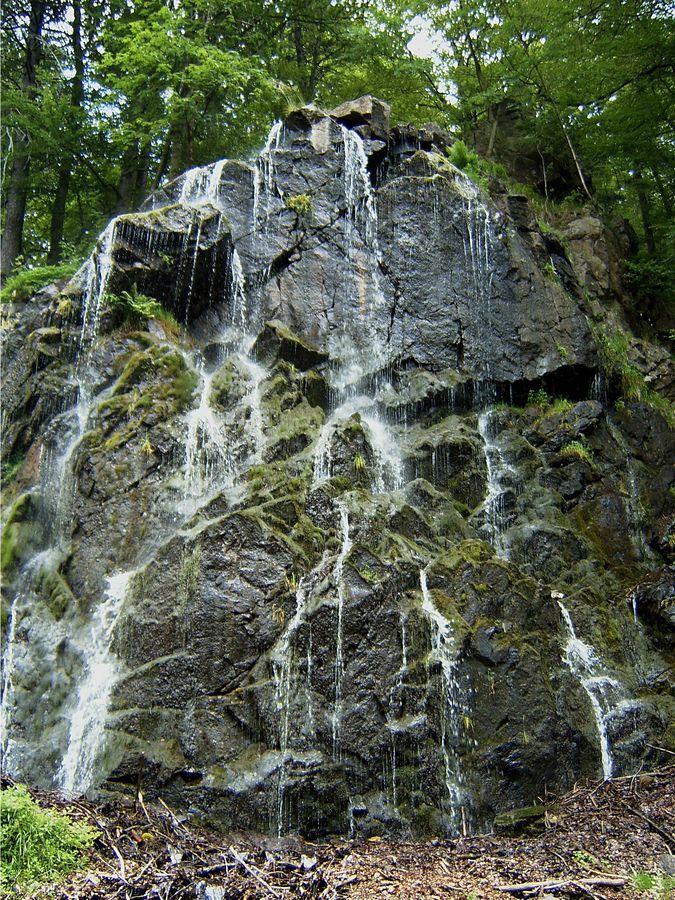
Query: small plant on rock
point(578, 450)
point(359, 464)
point(549, 271)
point(538, 398)
point(300, 204)
point(146, 447)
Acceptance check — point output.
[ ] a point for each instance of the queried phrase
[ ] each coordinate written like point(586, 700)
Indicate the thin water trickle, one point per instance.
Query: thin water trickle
point(604, 692)
point(345, 549)
point(282, 658)
point(89, 715)
point(45, 560)
point(455, 711)
point(631, 496)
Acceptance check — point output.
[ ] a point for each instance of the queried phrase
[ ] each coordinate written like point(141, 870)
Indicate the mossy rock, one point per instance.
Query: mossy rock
point(277, 342)
point(529, 820)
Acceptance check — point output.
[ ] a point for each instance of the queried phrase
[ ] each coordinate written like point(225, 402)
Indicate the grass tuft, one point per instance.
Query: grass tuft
point(38, 845)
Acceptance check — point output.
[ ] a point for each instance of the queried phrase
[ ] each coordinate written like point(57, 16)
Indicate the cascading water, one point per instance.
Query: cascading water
point(632, 502)
point(606, 694)
point(363, 351)
point(502, 479)
point(264, 179)
point(88, 718)
point(454, 708)
point(207, 463)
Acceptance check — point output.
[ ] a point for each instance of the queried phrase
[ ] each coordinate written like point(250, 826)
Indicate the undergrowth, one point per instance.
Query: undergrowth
point(26, 282)
point(37, 845)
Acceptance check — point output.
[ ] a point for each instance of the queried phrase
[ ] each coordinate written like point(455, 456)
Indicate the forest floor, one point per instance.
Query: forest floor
point(603, 841)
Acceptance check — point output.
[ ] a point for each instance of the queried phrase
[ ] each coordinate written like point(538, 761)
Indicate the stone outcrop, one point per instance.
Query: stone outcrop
point(361, 540)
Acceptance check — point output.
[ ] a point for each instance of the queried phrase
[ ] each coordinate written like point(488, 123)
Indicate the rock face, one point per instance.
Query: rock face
point(322, 553)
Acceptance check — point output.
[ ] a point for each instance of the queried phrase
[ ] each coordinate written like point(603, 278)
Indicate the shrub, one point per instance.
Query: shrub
point(538, 398)
point(37, 845)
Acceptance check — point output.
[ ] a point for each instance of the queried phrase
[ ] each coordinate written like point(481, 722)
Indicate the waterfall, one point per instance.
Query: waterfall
point(98, 272)
point(282, 658)
point(455, 715)
point(88, 718)
point(387, 472)
point(207, 462)
point(264, 178)
point(46, 560)
point(606, 694)
point(345, 549)
point(478, 239)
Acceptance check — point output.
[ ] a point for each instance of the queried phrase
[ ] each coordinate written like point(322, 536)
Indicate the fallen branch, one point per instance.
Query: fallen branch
point(615, 881)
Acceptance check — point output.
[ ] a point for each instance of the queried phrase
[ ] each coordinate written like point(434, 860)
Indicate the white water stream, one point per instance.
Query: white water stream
point(606, 694)
point(501, 476)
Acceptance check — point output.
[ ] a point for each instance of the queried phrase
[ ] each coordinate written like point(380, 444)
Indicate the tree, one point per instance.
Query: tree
point(26, 95)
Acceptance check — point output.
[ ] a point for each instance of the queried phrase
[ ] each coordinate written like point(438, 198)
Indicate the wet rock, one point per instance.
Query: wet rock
point(277, 342)
point(366, 110)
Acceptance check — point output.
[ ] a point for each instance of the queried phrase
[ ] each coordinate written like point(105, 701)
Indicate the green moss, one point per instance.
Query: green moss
point(13, 532)
point(188, 577)
point(10, 468)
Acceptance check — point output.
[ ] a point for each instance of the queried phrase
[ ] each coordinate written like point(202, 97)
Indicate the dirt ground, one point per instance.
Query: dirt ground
point(594, 842)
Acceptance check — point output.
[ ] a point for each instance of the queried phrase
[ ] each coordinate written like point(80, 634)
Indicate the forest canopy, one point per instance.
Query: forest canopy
point(103, 100)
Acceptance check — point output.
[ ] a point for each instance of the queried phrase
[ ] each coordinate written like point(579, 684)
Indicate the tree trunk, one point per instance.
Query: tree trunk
point(645, 213)
point(17, 189)
point(65, 169)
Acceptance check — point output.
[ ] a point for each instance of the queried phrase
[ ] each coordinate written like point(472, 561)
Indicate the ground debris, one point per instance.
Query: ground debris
point(596, 836)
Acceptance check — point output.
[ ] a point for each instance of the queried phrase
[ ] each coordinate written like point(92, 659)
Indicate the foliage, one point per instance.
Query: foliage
point(137, 305)
point(37, 845)
point(359, 464)
point(659, 886)
point(26, 282)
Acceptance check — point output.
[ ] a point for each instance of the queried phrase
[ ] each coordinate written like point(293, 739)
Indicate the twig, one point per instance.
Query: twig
point(123, 874)
point(662, 749)
point(254, 872)
point(139, 797)
point(667, 837)
point(616, 881)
